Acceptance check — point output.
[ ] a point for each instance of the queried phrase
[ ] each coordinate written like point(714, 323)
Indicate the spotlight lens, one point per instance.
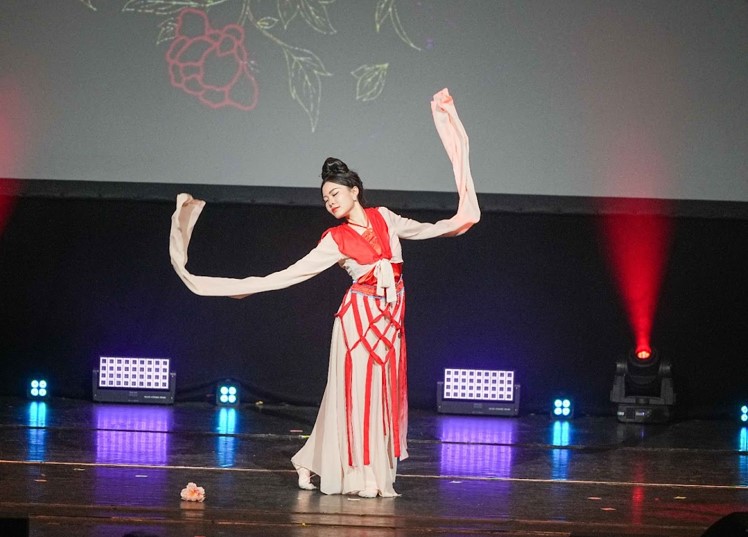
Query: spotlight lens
point(224, 398)
point(42, 383)
point(744, 417)
point(643, 354)
point(557, 411)
point(34, 383)
point(744, 409)
point(224, 390)
point(557, 403)
point(35, 392)
point(42, 392)
point(566, 411)
point(567, 403)
point(232, 399)
point(232, 390)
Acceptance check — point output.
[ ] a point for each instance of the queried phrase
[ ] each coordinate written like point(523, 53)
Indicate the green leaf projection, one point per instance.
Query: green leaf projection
point(214, 63)
point(314, 12)
point(167, 7)
point(370, 81)
point(387, 10)
point(305, 84)
point(167, 30)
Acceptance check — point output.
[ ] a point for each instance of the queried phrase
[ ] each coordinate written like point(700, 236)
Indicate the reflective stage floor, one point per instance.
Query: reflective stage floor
point(75, 468)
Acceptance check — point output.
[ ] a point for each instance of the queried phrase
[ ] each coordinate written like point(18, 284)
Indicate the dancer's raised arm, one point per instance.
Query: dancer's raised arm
point(455, 141)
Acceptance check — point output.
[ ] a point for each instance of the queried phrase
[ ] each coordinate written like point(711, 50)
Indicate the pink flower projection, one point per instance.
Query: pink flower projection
point(211, 63)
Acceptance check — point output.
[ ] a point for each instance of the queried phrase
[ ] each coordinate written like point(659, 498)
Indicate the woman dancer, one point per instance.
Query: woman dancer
point(360, 431)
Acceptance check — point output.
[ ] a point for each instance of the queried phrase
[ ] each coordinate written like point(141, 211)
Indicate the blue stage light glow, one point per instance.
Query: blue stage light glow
point(560, 458)
point(743, 459)
point(37, 431)
point(226, 441)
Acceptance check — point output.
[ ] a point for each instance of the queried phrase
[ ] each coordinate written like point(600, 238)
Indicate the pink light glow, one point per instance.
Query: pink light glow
point(7, 202)
point(13, 128)
point(638, 494)
point(211, 63)
point(637, 243)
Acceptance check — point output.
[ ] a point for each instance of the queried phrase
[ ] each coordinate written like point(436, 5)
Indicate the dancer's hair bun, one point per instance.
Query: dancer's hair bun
point(333, 166)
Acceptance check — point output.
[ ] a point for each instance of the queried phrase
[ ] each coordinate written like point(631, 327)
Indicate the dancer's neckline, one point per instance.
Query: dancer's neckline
point(367, 226)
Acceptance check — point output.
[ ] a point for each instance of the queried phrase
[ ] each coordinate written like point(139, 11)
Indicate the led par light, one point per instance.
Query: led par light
point(744, 413)
point(134, 380)
point(478, 391)
point(38, 389)
point(227, 393)
point(562, 409)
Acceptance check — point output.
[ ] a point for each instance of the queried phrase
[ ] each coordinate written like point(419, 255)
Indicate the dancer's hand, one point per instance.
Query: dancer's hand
point(190, 201)
point(441, 99)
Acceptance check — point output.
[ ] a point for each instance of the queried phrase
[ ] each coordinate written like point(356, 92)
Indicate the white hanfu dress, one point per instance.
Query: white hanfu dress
point(360, 431)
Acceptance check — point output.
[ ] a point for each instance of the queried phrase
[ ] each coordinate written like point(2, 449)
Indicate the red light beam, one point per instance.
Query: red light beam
point(637, 243)
point(637, 248)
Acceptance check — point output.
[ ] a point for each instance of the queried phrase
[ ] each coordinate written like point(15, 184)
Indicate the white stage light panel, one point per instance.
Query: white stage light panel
point(134, 373)
point(478, 384)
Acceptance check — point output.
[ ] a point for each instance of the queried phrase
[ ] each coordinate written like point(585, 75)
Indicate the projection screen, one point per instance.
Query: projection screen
point(574, 98)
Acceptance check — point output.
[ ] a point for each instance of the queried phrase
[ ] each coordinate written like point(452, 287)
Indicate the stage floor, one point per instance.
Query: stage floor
point(81, 469)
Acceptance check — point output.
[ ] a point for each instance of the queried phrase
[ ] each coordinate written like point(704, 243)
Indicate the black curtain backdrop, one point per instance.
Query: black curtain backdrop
point(80, 278)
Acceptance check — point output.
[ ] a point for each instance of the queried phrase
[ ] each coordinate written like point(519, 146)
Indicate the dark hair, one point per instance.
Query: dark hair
point(336, 171)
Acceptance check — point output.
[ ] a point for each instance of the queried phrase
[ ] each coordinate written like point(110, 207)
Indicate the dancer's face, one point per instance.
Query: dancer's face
point(339, 199)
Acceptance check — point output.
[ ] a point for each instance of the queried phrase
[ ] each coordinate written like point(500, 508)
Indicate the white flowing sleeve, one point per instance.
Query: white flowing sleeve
point(455, 141)
point(323, 256)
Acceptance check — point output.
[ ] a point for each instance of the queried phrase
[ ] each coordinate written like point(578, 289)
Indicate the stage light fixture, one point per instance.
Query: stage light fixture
point(478, 391)
point(122, 379)
point(562, 409)
point(744, 413)
point(228, 393)
point(643, 387)
point(38, 389)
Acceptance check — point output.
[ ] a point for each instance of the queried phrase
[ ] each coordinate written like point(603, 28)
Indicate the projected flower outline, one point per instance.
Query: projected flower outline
point(225, 45)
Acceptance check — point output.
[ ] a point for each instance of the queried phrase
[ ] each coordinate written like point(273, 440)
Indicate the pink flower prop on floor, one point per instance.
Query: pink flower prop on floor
point(193, 493)
point(211, 63)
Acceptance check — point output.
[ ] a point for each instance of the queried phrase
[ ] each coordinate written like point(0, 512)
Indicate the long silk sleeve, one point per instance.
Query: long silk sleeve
point(324, 255)
point(455, 141)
